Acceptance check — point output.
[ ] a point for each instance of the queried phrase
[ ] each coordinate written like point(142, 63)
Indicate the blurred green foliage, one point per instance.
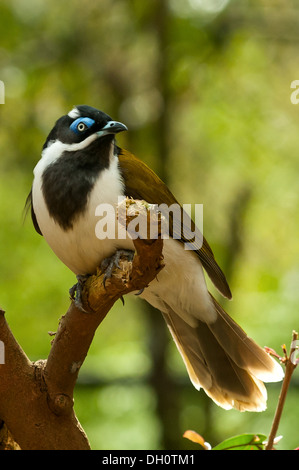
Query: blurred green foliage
point(204, 87)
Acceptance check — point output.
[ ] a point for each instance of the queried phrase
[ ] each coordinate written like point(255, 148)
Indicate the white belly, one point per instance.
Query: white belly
point(181, 285)
point(79, 248)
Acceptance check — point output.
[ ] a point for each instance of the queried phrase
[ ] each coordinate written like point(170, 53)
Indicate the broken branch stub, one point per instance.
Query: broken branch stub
point(132, 275)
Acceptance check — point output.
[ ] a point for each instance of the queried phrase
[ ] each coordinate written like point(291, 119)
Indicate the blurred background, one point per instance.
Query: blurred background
point(204, 87)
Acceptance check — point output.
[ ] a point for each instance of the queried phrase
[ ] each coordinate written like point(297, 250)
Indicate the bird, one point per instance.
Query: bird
point(81, 167)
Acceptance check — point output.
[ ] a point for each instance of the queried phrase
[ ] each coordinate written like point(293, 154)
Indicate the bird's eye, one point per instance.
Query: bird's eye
point(81, 127)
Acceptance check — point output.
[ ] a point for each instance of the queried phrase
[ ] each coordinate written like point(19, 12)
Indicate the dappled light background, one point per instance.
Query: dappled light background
point(204, 87)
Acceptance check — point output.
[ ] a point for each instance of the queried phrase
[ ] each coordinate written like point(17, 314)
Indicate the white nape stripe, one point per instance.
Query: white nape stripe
point(74, 113)
point(55, 149)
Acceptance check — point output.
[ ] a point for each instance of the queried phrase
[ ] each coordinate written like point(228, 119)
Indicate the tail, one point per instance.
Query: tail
point(224, 361)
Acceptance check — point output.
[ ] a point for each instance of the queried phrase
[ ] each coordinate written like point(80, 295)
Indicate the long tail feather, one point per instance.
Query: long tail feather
point(224, 361)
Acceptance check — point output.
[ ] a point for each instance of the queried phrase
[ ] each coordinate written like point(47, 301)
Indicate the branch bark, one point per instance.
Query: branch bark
point(36, 398)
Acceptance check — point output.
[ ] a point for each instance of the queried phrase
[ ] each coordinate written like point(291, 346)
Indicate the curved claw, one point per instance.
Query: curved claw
point(108, 264)
point(76, 292)
point(140, 292)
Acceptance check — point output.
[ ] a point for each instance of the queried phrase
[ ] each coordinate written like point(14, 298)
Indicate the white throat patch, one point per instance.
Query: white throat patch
point(55, 149)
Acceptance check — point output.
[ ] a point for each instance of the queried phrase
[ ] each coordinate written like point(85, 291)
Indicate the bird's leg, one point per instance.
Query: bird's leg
point(76, 291)
point(108, 264)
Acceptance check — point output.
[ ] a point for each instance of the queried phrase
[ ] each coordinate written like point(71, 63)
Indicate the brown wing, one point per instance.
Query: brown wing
point(142, 183)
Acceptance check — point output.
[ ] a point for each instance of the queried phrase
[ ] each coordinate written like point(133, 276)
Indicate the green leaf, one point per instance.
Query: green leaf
point(243, 442)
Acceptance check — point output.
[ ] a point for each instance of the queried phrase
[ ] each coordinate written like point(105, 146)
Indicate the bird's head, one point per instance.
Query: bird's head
point(82, 126)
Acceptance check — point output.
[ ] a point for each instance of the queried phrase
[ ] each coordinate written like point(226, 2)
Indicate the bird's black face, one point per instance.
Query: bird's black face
point(79, 147)
point(80, 123)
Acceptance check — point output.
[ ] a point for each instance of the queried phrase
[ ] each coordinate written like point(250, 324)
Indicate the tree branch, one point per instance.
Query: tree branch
point(36, 399)
point(291, 363)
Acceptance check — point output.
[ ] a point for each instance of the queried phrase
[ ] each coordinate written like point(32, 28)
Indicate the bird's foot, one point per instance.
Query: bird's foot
point(108, 264)
point(76, 291)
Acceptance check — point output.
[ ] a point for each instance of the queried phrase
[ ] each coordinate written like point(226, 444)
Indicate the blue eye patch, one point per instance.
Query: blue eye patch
point(81, 124)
